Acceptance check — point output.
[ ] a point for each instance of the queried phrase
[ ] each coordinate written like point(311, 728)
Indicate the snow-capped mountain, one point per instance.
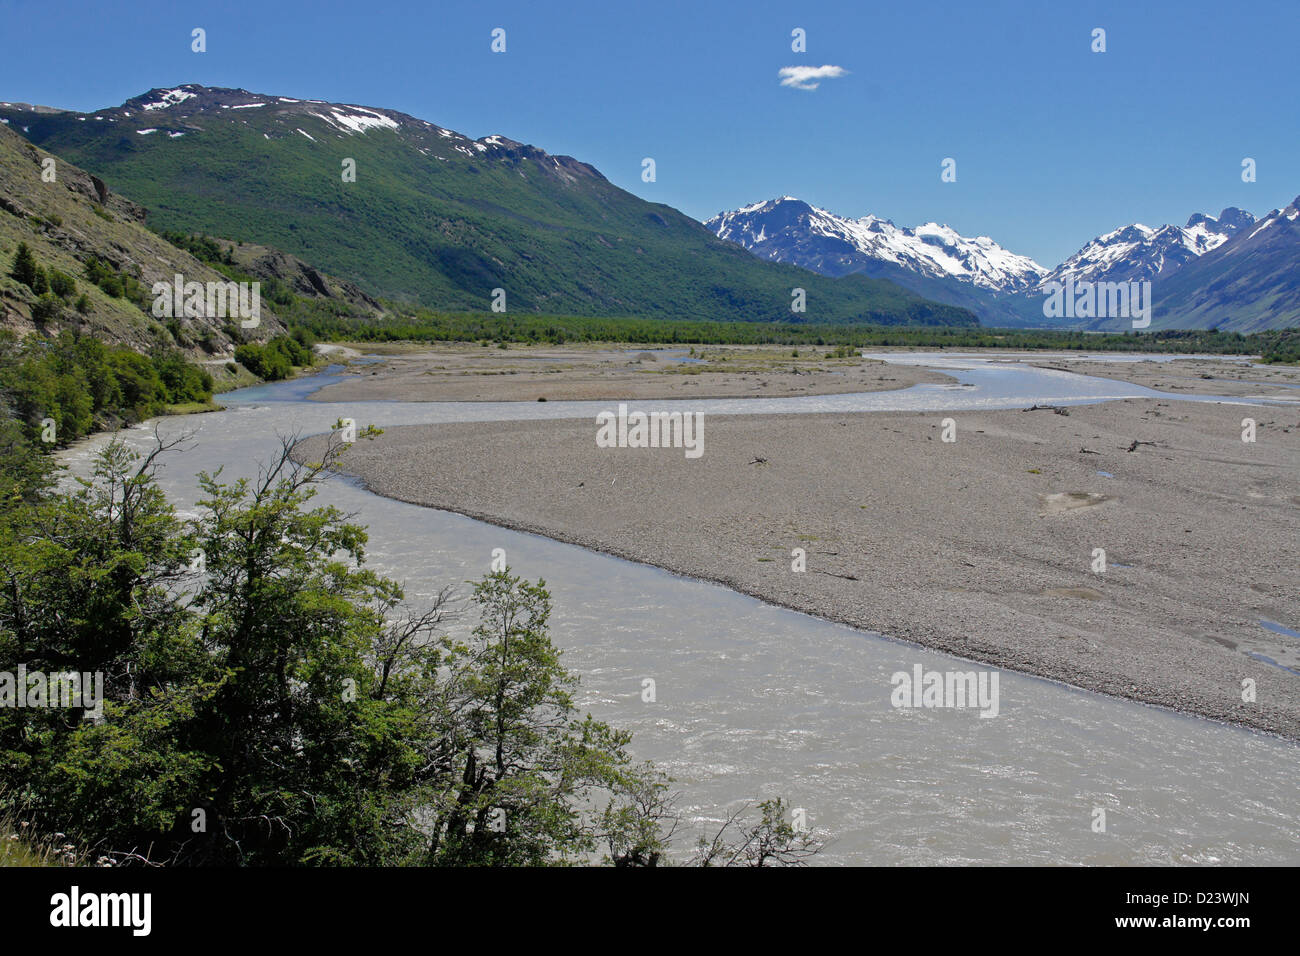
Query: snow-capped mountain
point(1205, 276)
point(790, 230)
point(1136, 252)
point(1247, 283)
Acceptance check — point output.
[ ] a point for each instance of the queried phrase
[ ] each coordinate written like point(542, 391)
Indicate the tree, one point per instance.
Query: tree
point(86, 587)
point(39, 389)
point(314, 767)
point(183, 381)
point(772, 841)
point(522, 766)
point(25, 472)
point(640, 819)
point(276, 703)
point(24, 267)
point(141, 389)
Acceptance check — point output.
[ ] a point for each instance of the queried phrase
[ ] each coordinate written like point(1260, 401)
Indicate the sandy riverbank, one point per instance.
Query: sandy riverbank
point(469, 373)
point(981, 547)
point(1192, 376)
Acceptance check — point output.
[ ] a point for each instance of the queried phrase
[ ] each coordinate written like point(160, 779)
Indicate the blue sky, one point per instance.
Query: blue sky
point(1054, 143)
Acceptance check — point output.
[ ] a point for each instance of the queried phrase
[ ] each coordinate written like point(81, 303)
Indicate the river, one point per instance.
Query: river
point(754, 701)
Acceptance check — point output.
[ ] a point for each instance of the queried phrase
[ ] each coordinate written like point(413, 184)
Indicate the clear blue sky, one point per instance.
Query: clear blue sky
point(1054, 144)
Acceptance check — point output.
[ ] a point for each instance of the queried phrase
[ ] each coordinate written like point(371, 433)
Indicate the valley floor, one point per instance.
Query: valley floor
point(983, 547)
point(470, 373)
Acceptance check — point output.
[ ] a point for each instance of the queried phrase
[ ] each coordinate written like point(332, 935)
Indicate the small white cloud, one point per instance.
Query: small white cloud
point(808, 77)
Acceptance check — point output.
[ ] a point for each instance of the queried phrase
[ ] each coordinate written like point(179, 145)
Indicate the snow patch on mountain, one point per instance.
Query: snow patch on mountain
point(169, 98)
point(358, 120)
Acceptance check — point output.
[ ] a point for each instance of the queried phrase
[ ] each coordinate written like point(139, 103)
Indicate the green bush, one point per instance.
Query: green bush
point(143, 393)
point(183, 381)
point(118, 285)
point(253, 357)
point(1283, 347)
point(78, 380)
point(46, 309)
point(62, 284)
point(276, 359)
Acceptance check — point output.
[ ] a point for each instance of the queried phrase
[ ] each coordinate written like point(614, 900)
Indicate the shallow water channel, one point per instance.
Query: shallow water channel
point(755, 701)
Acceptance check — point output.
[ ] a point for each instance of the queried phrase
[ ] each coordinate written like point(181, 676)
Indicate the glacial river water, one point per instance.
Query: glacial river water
point(754, 701)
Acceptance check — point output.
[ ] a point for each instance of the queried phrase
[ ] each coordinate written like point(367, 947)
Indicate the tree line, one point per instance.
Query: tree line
point(55, 391)
point(499, 328)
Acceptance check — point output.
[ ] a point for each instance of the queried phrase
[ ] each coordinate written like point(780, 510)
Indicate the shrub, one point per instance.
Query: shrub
point(47, 308)
point(263, 361)
point(183, 381)
point(114, 283)
point(276, 359)
point(62, 284)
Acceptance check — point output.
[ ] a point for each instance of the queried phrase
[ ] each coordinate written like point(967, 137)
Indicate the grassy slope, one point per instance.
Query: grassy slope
point(64, 227)
point(425, 222)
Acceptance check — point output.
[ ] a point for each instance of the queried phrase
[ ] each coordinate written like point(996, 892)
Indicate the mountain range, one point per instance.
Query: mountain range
point(433, 217)
point(1225, 271)
point(1137, 252)
point(787, 229)
point(932, 260)
point(414, 213)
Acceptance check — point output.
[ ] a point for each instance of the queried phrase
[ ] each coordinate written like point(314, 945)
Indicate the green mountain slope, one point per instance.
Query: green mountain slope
point(434, 217)
point(74, 223)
